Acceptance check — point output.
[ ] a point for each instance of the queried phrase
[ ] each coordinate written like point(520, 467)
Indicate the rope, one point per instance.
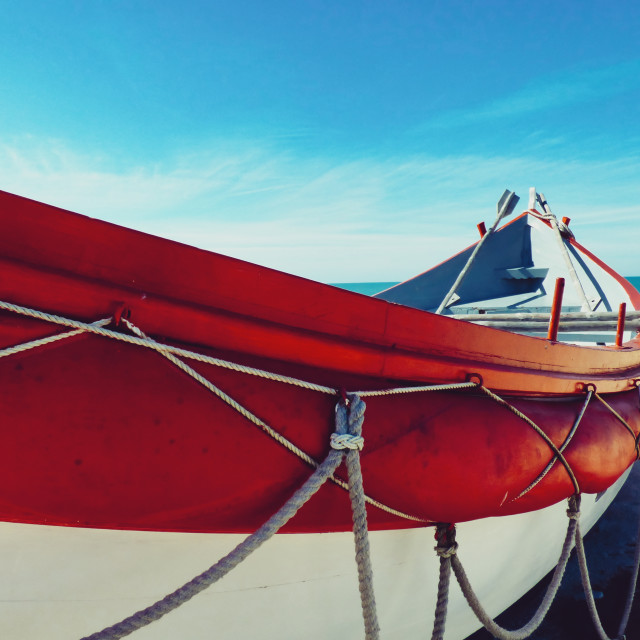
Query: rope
point(565, 444)
point(586, 585)
point(446, 548)
point(525, 631)
point(34, 344)
point(538, 430)
point(243, 411)
point(217, 571)
point(621, 420)
point(353, 415)
point(157, 346)
point(170, 352)
point(142, 340)
point(632, 587)
point(346, 442)
point(588, 591)
point(401, 390)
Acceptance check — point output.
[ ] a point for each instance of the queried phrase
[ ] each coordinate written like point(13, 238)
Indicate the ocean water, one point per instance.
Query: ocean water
point(369, 288)
point(366, 288)
point(635, 281)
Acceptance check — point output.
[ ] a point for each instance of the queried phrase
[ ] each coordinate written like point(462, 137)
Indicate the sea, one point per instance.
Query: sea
point(609, 548)
point(369, 288)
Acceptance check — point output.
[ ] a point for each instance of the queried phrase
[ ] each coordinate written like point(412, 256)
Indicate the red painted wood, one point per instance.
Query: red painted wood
point(103, 434)
point(556, 307)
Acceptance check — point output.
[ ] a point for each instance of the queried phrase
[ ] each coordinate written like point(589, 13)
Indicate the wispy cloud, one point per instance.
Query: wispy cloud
point(552, 92)
point(370, 219)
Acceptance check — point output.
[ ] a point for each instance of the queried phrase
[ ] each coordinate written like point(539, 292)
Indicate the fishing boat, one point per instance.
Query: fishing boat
point(160, 403)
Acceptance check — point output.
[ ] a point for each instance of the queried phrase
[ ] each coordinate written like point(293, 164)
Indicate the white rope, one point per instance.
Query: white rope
point(402, 390)
point(141, 340)
point(487, 621)
point(538, 430)
point(34, 344)
point(344, 420)
point(347, 441)
point(565, 444)
point(243, 411)
point(157, 346)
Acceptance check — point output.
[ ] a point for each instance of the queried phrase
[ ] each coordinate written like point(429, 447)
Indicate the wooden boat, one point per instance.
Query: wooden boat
point(122, 477)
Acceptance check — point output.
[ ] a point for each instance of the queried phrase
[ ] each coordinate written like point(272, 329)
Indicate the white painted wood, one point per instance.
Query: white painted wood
point(61, 583)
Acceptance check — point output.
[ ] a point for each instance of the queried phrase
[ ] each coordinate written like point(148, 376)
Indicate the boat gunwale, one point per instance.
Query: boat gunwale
point(400, 338)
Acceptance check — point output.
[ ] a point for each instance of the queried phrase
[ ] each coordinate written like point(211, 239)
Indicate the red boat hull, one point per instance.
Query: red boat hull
point(103, 434)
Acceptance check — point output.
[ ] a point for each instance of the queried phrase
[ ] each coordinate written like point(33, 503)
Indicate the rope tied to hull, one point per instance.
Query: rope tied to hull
point(447, 551)
point(451, 560)
point(349, 421)
point(346, 443)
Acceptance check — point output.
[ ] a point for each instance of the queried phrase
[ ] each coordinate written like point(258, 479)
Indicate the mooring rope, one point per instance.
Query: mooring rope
point(354, 414)
point(243, 411)
point(41, 342)
point(538, 430)
point(348, 421)
point(446, 548)
point(588, 591)
point(564, 445)
point(573, 512)
point(633, 581)
point(157, 346)
point(346, 442)
point(622, 421)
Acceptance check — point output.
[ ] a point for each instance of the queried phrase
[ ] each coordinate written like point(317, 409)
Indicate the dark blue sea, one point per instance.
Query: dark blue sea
point(609, 547)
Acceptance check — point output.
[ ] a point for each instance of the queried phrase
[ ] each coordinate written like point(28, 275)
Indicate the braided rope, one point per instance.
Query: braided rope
point(34, 344)
point(245, 413)
point(588, 591)
point(157, 346)
point(348, 421)
point(446, 548)
point(632, 587)
point(353, 416)
point(141, 340)
point(402, 390)
point(347, 440)
point(538, 430)
point(565, 444)
point(217, 571)
point(171, 353)
point(526, 630)
point(621, 420)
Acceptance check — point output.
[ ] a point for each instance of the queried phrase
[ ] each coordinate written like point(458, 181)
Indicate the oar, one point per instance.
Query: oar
point(506, 205)
point(565, 253)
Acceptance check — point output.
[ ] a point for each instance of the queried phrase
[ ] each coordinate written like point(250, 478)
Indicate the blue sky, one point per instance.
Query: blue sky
point(351, 141)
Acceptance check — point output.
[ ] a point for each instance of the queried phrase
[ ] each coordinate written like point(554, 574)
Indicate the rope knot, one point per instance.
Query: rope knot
point(346, 441)
point(349, 420)
point(573, 512)
point(446, 537)
point(447, 552)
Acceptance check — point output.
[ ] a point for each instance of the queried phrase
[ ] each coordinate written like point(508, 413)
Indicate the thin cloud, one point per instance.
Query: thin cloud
point(558, 91)
point(372, 219)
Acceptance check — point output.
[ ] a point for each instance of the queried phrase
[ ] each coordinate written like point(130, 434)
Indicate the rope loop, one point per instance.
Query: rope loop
point(478, 381)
